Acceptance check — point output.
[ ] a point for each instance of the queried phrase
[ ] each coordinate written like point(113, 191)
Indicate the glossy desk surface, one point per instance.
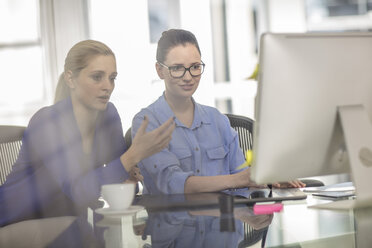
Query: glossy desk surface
point(295, 226)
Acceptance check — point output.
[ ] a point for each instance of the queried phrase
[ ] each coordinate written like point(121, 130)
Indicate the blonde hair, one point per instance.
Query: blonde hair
point(77, 59)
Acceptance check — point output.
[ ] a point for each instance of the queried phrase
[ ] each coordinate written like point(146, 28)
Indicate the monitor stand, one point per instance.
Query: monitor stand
point(357, 132)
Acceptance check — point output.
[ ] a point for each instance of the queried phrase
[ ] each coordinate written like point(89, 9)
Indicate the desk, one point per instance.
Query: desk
point(296, 226)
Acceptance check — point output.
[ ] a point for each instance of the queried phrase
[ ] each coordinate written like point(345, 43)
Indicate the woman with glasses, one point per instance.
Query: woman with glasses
point(204, 151)
point(73, 147)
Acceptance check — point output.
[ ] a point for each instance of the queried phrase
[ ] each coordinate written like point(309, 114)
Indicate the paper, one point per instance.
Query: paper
point(339, 187)
point(344, 204)
point(335, 194)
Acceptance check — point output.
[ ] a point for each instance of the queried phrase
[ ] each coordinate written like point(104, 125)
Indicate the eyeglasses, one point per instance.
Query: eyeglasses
point(178, 71)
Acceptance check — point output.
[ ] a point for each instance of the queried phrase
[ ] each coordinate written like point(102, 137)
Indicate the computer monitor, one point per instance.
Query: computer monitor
point(314, 90)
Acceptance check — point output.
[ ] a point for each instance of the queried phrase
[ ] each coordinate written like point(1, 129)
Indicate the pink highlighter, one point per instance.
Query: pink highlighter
point(267, 208)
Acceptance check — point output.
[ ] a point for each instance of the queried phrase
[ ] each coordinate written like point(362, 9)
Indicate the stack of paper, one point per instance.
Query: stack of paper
point(339, 190)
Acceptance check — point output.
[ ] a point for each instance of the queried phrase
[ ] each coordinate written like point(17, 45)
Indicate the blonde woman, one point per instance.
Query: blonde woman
point(72, 148)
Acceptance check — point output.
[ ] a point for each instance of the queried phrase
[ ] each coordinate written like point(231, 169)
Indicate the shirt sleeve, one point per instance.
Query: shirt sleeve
point(164, 167)
point(235, 155)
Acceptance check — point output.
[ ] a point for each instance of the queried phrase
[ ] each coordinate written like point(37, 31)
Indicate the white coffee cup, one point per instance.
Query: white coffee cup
point(118, 196)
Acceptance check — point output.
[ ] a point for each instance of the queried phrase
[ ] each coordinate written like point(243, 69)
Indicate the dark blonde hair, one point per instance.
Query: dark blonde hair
point(173, 38)
point(77, 59)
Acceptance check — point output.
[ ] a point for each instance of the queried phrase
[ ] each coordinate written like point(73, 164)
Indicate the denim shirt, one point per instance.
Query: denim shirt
point(210, 147)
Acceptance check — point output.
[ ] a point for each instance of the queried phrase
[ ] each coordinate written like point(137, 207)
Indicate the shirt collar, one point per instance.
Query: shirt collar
point(164, 112)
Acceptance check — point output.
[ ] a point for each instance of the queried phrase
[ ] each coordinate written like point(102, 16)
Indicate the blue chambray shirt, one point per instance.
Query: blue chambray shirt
point(209, 148)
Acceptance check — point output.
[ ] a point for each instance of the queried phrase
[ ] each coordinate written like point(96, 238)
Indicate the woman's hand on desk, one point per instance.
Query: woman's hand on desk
point(290, 184)
point(243, 179)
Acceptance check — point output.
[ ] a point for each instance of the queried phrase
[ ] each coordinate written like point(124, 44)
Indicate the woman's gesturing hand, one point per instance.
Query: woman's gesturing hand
point(145, 144)
point(148, 143)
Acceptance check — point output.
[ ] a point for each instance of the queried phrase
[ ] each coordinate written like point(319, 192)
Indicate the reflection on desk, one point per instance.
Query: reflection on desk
point(204, 228)
point(296, 226)
point(180, 229)
point(180, 202)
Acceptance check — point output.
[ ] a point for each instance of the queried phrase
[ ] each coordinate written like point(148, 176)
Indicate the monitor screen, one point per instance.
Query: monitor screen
point(303, 80)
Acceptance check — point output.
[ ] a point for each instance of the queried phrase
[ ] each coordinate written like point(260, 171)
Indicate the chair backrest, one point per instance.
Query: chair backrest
point(128, 143)
point(10, 144)
point(128, 138)
point(244, 126)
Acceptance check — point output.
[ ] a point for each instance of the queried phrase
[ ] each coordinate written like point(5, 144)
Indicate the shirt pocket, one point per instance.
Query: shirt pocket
point(216, 161)
point(184, 156)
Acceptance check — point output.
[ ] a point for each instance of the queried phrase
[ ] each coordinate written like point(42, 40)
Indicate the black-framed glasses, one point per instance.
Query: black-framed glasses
point(178, 71)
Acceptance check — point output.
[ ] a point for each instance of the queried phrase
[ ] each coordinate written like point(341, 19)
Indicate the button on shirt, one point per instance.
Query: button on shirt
point(210, 147)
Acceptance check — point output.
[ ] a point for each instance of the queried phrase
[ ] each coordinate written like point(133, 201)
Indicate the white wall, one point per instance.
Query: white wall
point(124, 26)
point(126, 30)
point(62, 24)
point(286, 16)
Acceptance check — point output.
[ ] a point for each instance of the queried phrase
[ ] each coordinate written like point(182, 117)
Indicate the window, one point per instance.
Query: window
point(163, 15)
point(21, 60)
point(338, 15)
point(337, 7)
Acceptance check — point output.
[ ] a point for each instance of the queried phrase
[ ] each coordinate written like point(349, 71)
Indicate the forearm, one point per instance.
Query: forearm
point(195, 184)
point(130, 159)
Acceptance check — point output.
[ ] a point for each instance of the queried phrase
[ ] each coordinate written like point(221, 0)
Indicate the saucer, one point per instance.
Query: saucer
point(117, 213)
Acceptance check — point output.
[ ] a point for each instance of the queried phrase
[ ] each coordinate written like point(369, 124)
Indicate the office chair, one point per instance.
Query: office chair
point(244, 126)
point(128, 138)
point(128, 143)
point(10, 144)
point(253, 236)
